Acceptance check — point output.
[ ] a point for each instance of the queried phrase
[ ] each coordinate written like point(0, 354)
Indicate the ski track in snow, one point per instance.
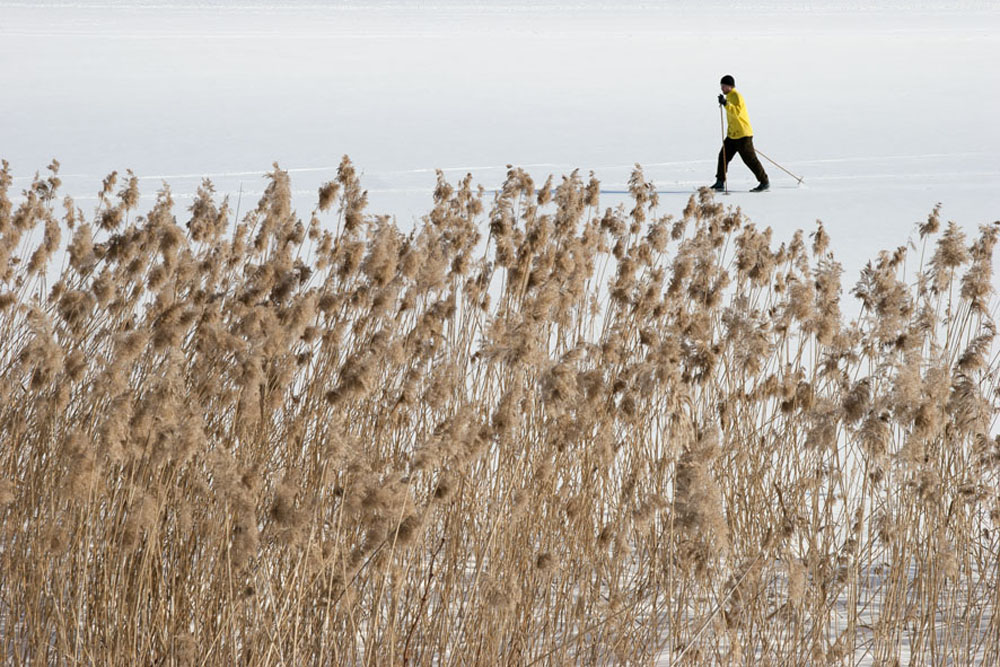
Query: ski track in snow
point(559, 169)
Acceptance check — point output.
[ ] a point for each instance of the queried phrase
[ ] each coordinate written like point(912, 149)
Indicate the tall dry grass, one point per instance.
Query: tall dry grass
point(528, 432)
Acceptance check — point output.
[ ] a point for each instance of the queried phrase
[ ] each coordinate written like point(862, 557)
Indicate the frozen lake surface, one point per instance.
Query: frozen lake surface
point(883, 111)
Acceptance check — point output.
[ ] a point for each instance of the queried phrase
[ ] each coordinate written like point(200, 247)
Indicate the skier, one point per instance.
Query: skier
point(739, 138)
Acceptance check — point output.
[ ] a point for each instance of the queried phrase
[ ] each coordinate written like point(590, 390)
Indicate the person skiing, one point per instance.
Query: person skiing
point(739, 138)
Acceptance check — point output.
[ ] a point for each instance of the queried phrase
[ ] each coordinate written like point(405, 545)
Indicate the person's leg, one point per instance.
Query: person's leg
point(749, 157)
point(729, 150)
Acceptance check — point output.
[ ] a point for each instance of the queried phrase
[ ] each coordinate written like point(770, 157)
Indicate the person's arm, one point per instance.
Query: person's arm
point(734, 102)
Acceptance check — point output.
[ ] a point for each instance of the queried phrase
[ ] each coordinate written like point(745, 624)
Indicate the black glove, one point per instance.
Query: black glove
point(722, 100)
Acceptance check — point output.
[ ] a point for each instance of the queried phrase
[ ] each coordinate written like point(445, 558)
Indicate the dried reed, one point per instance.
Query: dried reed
point(586, 437)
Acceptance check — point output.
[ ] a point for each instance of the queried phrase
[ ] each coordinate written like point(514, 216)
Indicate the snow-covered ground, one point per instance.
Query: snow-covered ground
point(884, 111)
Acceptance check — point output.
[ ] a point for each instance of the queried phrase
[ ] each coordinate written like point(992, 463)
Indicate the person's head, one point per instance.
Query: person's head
point(727, 83)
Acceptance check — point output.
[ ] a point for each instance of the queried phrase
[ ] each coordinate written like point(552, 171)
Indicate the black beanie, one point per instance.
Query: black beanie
point(728, 80)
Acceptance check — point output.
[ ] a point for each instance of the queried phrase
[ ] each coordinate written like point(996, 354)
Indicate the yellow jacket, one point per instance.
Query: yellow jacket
point(736, 114)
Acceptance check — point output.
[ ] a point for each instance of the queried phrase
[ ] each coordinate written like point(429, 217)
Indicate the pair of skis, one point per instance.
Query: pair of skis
point(798, 179)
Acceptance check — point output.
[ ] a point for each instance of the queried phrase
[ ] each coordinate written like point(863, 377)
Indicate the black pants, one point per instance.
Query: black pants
point(743, 146)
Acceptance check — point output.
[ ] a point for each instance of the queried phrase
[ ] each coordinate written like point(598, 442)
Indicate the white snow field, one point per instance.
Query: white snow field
point(884, 108)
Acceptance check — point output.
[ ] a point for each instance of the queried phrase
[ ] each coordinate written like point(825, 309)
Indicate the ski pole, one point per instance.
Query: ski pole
point(779, 166)
point(725, 162)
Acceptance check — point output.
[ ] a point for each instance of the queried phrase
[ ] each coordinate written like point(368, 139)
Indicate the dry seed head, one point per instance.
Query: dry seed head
point(856, 402)
point(927, 419)
point(328, 194)
point(50, 244)
point(75, 307)
point(129, 194)
point(110, 219)
point(108, 185)
point(407, 531)
point(821, 240)
point(592, 193)
point(966, 405)
point(928, 485)
point(544, 561)
point(103, 288)
point(545, 192)
point(975, 355)
point(444, 488)
point(7, 495)
point(907, 388)
point(698, 502)
point(380, 264)
point(976, 285)
point(933, 222)
point(951, 251)
point(129, 346)
point(801, 300)
point(876, 436)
